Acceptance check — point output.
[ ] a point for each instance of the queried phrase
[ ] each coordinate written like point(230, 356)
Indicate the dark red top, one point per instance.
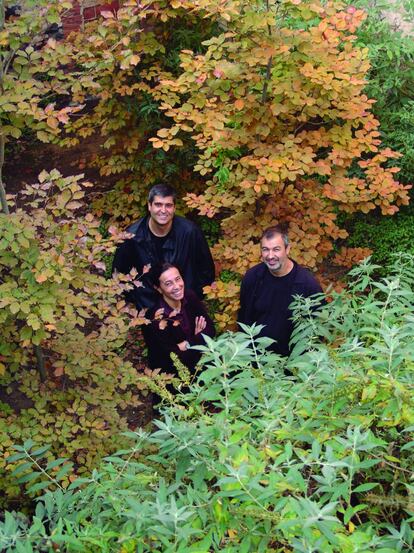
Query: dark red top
point(164, 333)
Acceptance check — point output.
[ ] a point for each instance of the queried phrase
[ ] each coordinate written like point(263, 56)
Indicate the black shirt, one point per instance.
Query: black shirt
point(271, 306)
point(158, 242)
point(265, 299)
point(163, 338)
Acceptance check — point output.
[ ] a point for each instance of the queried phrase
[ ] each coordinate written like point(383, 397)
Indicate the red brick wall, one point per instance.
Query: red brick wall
point(73, 20)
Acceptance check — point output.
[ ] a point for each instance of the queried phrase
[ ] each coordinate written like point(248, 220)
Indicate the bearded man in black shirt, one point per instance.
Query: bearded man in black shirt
point(159, 237)
point(268, 288)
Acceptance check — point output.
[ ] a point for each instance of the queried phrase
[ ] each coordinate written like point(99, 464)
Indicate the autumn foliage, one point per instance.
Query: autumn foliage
point(255, 111)
point(262, 118)
point(277, 111)
point(61, 317)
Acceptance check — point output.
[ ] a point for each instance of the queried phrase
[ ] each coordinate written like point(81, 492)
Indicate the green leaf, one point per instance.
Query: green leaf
point(53, 464)
point(365, 487)
point(39, 486)
point(27, 477)
point(63, 471)
point(16, 457)
point(40, 451)
point(21, 468)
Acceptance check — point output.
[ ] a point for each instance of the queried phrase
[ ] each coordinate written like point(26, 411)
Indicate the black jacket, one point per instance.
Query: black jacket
point(185, 247)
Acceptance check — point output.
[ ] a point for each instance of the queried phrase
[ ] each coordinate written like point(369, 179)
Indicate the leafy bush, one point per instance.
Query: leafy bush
point(63, 329)
point(120, 61)
point(257, 111)
point(32, 81)
point(391, 83)
point(261, 454)
point(284, 131)
point(384, 236)
point(391, 77)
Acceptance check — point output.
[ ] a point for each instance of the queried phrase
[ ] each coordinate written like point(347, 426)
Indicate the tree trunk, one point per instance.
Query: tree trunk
point(3, 200)
point(40, 363)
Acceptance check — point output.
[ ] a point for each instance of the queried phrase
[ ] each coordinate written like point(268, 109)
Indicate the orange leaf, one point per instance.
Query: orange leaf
point(52, 122)
point(59, 371)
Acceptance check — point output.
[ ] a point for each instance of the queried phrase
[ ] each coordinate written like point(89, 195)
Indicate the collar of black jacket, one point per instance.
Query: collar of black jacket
point(142, 233)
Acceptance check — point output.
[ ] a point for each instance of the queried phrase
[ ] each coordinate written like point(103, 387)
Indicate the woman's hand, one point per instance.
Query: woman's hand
point(183, 346)
point(200, 324)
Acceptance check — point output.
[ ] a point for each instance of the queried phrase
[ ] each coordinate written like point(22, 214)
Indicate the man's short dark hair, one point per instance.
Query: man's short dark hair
point(276, 230)
point(162, 190)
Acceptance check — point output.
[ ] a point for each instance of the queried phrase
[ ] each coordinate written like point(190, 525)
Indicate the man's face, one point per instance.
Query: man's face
point(275, 254)
point(162, 210)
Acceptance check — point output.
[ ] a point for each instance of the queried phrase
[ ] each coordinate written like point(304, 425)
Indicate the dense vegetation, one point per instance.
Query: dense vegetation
point(259, 111)
point(391, 84)
point(259, 454)
point(63, 366)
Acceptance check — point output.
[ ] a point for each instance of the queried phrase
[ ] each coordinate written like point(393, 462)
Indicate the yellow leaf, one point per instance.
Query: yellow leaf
point(52, 122)
point(51, 43)
point(33, 322)
point(163, 133)
point(43, 136)
point(176, 141)
point(14, 308)
point(156, 142)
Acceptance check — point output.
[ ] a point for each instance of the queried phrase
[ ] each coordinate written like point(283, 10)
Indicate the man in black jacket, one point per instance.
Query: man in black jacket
point(268, 288)
point(161, 236)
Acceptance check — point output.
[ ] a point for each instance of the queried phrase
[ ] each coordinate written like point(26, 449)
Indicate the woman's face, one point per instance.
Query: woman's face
point(171, 285)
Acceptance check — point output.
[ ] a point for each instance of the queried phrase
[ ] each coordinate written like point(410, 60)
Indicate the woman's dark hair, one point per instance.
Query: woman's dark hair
point(160, 268)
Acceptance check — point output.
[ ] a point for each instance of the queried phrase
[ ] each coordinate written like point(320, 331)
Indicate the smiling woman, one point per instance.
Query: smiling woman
point(179, 320)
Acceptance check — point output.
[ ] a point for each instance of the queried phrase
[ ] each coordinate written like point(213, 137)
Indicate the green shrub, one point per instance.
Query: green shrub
point(261, 454)
point(384, 236)
point(391, 78)
point(210, 228)
point(68, 371)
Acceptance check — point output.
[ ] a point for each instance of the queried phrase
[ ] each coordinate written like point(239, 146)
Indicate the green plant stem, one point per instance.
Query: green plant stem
point(2, 14)
point(40, 363)
point(3, 199)
point(42, 470)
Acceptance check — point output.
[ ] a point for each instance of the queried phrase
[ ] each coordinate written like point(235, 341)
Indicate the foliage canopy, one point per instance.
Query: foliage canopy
point(57, 306)
point(260, 115)
point(261, 454)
